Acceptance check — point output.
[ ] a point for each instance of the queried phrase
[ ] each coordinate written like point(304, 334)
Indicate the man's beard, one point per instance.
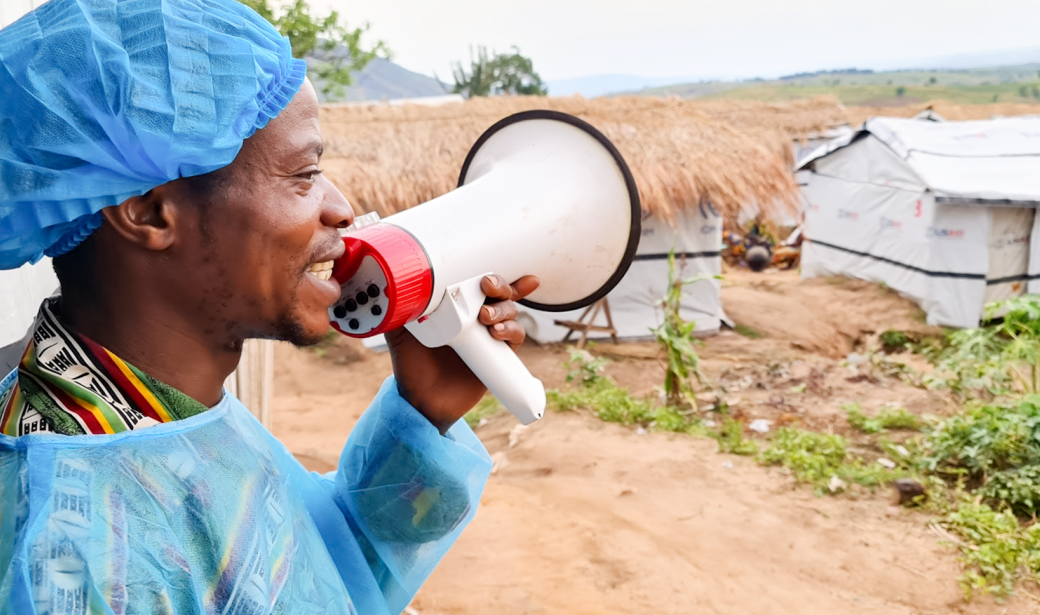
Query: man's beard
point(289, 328)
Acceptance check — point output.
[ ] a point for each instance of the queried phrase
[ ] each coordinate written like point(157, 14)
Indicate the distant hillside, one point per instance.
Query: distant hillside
point(1014, 84)
point(383, 79)
point(599, 85)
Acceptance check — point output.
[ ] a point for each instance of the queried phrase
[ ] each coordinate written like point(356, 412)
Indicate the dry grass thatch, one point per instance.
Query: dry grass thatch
point(953, 113)
point(386, 159)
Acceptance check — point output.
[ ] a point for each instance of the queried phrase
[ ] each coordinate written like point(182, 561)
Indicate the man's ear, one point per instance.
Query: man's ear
point(148, 221)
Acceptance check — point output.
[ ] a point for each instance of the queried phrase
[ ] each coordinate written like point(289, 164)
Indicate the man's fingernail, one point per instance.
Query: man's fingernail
point(499, 327)
point(494, 282)
point(490, 311)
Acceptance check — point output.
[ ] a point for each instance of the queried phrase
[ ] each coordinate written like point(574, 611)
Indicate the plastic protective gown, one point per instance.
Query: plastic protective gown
point(211, 514)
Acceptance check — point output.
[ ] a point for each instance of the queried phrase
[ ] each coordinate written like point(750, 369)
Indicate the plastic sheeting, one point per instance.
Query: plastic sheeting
point(878, 209)
point(697, 234)
point(124, 96)
point(213, 515)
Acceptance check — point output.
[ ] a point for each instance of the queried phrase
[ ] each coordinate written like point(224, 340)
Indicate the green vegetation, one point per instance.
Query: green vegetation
point(336, 49)
point(503, 74)
point(823, 461)
point(885, 419)
point(485, 409)
point(749, 332)
point(1006, 84)
point(977, 471)
point(675, 336)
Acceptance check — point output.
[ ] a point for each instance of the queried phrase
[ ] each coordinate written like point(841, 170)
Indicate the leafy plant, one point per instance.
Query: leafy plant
point(731, 438)
point(336, 49)
point(823, 461)
point(885, 419)
point(675, 335)
point(486, 408)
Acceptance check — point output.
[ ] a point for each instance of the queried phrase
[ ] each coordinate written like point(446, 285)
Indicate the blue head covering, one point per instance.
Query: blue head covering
point(103, 100)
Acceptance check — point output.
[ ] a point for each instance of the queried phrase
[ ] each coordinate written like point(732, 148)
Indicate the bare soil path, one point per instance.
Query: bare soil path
point(584, 517)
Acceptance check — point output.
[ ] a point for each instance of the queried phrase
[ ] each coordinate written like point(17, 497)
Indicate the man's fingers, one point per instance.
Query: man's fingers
point(510, 332)
point(525, 286)
point(498, 312)
point(496, 288)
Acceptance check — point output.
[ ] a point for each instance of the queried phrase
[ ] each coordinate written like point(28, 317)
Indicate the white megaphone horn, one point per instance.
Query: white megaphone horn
point(540, 193)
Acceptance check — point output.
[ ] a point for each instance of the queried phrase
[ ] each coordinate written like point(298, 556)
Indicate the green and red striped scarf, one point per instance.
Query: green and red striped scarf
point(68, 384)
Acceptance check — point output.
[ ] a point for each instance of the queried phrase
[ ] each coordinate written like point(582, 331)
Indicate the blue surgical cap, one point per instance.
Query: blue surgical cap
point(103, 100)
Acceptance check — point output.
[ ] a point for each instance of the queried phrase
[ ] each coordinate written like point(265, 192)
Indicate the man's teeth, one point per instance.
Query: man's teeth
point(322, 271)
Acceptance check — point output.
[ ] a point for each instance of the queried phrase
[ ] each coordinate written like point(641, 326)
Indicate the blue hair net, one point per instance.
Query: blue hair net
point(103, 100)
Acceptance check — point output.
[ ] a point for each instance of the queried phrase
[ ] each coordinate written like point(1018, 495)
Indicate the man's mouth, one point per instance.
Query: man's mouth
point(322, 271)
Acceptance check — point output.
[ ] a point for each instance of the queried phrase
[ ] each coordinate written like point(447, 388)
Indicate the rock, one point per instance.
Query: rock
point(888, 463)
point(515, 433)
point(759, 425)
point(836, 484)
point(906, 490)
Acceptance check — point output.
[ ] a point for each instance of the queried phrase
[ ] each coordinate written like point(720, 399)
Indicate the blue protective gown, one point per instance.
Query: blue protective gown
point(212, 514)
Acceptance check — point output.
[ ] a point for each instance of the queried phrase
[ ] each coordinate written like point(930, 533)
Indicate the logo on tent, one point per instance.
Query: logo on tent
point(887, 223)
point(846, 214)
point(945, 233)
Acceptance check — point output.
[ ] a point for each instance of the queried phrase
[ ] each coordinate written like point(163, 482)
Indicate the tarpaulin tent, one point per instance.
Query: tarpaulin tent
point(696, 237)
point(943, 212)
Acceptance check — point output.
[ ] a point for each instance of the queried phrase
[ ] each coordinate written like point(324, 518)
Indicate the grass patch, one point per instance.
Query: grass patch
point(885, 419)
point(749, 332)
point(485, 409)
point(823, 461)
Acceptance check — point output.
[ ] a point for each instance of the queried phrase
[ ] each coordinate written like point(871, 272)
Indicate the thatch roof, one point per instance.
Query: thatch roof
point(953, 113)
point(387, 159)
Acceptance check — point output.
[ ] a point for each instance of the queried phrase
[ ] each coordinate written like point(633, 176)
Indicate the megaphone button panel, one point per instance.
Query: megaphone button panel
point(386, 281)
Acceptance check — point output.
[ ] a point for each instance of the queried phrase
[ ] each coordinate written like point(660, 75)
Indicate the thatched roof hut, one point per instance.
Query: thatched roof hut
point(386, 159)
point(953, 113)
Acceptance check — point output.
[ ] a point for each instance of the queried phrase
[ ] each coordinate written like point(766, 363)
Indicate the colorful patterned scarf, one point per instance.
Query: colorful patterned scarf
point(68, 384)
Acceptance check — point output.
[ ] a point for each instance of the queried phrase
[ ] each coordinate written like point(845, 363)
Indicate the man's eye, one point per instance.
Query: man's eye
point(310, 175)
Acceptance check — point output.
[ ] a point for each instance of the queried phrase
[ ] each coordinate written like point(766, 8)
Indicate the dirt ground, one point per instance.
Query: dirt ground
point(585, 517)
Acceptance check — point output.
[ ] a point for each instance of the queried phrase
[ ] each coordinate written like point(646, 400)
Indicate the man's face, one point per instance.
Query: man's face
point(264, 242)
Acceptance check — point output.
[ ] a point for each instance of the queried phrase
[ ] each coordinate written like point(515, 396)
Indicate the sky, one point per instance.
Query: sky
point(692, 38)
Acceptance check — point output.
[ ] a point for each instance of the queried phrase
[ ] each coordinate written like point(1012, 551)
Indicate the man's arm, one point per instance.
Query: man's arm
point(406, 493)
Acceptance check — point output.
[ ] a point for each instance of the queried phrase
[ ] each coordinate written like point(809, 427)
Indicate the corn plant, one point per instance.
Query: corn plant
point(675, 335)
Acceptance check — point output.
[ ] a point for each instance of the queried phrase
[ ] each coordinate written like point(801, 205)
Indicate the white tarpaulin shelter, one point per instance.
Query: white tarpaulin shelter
point(696, 238)
point(942, 212)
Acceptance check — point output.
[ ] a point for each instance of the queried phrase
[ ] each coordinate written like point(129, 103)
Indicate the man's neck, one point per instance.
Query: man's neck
point(159, 343)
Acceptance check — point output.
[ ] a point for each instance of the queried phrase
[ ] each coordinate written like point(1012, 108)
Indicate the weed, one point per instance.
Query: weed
point(885, 419)
point(486, 408)
point(819, 459)
point(675, 335)
point(749, 332)
point(731, 438)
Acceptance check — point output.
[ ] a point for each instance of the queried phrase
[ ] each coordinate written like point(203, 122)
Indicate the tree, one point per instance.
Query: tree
point(900, 91)
point(503, 74)
point(336, 51)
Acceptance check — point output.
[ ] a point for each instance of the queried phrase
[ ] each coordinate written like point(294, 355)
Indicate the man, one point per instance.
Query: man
point(166, 154)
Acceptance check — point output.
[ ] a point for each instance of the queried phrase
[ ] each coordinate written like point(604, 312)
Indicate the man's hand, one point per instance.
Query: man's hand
point(435, 381)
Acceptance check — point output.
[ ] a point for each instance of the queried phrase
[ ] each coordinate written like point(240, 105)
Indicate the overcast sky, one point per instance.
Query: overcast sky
point(672, 38)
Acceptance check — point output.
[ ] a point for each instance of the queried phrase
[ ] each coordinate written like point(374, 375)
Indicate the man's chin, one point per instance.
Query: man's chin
point(301, 335)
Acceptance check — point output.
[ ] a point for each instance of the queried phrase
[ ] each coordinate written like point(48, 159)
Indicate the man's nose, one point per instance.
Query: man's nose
point(335, 211)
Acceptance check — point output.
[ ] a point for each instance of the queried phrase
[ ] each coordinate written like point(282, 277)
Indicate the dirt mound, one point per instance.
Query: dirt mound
point(830, 316)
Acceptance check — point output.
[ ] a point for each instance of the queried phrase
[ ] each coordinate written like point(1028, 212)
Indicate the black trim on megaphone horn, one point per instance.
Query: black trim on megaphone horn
point(634, 231)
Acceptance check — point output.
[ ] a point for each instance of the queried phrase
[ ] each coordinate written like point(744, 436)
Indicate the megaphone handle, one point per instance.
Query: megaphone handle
point(502, 372)
point(454, 323)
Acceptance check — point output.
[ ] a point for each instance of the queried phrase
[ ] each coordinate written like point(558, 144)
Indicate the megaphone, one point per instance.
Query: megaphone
point(542, 193)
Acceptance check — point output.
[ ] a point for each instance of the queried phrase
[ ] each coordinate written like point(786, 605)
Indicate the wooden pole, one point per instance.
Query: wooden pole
point(253, 381)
